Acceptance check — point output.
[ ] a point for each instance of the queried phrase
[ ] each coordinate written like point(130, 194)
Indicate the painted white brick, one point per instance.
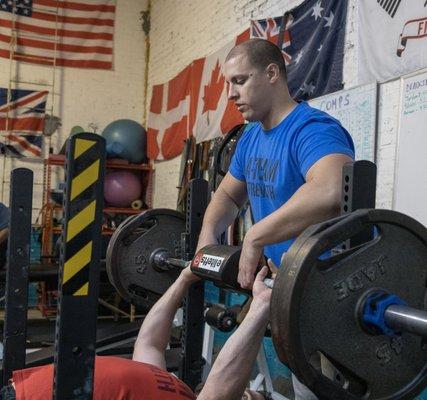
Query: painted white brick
point(388, 124)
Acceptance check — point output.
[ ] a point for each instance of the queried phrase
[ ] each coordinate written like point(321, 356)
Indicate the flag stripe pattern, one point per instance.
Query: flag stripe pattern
point(22, 121)
point(84, 32)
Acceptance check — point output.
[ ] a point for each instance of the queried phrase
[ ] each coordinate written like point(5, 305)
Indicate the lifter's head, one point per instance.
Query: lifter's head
point(256, 76)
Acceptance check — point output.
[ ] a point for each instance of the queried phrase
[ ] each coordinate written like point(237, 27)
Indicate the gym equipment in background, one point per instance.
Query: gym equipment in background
point(121, 188)
point(126, 139)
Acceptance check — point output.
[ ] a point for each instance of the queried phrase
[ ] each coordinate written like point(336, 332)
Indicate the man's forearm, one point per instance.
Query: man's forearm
point(232, 368)
point(220, 213)
point(311, 204)
point(156, 328)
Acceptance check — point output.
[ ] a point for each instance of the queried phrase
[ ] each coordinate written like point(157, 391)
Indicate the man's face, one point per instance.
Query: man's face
point(248, 87)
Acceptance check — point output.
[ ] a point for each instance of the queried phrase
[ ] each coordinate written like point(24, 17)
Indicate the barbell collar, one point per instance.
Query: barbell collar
point(177, 262)
point(406, 319)
point(159, 260)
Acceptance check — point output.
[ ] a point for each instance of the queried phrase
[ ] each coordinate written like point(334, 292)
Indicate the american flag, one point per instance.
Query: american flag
point(313, 46)
point(22, 121)
point(84, 32)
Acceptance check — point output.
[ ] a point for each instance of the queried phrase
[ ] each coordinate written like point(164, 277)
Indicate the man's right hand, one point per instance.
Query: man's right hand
point(260, 291)
point(188, 275)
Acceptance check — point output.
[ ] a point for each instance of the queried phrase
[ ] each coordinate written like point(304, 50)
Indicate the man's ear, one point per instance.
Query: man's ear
point(273, 72)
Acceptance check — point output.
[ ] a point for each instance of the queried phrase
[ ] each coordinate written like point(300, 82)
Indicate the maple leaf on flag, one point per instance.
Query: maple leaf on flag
point(213, 91)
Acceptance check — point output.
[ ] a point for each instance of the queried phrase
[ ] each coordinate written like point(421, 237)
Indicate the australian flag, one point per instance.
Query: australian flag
point(22, 117)
point(311, 37)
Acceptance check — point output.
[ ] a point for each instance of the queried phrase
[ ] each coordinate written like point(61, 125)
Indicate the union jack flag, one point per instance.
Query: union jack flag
point(22, 121)
point(269, 29)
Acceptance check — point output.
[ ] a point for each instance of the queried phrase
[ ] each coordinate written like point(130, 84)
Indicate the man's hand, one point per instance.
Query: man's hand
point(248, 263)
point(188, 276)
point(260, 291)
point(273, 267)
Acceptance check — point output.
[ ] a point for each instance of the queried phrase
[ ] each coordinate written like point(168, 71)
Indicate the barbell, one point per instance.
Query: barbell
point(144, 258)
point(361, 309)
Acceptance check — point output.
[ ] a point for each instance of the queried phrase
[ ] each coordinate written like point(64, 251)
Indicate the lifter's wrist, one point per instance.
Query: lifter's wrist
point(260, 307)
point(206, 238)
point(187, 278)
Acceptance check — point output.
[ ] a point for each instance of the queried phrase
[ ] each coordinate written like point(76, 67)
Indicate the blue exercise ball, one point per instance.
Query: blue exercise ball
point(126, 139)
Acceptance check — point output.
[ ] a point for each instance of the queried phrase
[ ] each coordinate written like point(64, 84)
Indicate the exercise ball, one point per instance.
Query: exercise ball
point(126, 139)
point(76, 129)
point(121, 188)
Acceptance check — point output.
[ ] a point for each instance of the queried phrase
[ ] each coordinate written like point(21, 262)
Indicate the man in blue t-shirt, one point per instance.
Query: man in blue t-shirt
point(288, 162)
point(4, 224)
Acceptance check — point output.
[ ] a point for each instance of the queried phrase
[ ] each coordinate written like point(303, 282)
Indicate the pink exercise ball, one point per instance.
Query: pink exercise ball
point(121, 188)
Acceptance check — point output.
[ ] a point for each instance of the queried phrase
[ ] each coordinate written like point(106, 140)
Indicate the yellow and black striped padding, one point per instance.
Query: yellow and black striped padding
point(84, 174)
point(79, 267)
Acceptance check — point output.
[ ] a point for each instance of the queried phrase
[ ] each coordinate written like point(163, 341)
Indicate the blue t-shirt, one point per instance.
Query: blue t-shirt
point(4, 216)
point(274, 163)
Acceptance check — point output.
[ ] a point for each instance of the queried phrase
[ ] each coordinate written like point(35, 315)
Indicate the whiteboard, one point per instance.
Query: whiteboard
point(410, 187)
point(356, 109)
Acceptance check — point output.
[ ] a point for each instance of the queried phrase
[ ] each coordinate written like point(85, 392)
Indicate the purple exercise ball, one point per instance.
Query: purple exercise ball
point(121, 188)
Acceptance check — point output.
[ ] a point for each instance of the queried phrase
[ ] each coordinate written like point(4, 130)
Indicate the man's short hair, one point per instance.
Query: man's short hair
point(260, 53)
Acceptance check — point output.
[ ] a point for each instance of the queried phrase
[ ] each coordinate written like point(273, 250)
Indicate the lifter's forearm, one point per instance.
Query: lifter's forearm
point(232, 368)
point(156, 328)
point(221, 212)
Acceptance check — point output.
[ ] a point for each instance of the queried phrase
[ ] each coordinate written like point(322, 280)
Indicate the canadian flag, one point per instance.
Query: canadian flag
point(193, 103)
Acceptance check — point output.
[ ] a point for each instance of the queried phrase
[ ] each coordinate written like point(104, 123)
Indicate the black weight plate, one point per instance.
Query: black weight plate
point(129, 251)
point(314, 305)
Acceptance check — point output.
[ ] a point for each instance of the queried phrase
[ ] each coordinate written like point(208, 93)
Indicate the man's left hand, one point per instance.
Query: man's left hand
point(249, 260)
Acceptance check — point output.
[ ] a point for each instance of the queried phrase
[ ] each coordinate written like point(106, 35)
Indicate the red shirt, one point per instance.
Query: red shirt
point(115, 379)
